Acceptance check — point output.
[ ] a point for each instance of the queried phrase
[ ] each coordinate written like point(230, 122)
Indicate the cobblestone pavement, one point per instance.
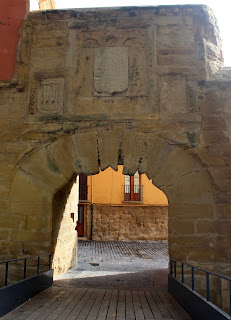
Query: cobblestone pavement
point(130, 264)
point(136, 254)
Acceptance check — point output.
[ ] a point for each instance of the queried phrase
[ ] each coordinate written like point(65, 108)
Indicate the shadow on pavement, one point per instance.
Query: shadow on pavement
point(156, 279)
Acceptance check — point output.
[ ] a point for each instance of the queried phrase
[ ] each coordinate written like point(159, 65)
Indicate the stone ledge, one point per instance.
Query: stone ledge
point(133, 202)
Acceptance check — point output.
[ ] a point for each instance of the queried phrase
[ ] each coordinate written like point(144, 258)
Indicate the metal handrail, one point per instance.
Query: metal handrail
point(207, 272)
point(204, 270)
point(25, 264)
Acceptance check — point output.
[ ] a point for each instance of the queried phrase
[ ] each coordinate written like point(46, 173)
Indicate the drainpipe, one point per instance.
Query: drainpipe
point(92, 203)
point(92, 208)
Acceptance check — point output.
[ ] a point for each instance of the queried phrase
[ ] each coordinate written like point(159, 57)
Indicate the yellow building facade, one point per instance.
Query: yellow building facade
point(107, 187)
point(113, 206)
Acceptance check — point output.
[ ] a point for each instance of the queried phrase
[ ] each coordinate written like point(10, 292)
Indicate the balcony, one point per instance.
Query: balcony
point(133, 193)
point(83, 193)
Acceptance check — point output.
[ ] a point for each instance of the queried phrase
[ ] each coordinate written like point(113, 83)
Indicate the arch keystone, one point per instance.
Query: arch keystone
point(109, 145)
point(133, 149)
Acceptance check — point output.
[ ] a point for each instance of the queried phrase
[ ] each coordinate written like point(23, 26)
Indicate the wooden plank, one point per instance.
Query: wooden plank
point(137, 306)
point(180, 310)
point(80, 305)
point(80, 292)
point(40, 299)
point(88, 305)
point(86, 309)
point(130, 312)
point(62, 304)
point(12, 315)
point(19, 313)
point(170, 307)
point(111, 315)
point(96, 306)
point(145, 306)
point(121, 306)
point(166, 314)
point(153, 306)
point(32, 305)
point(103, 311)
point(44, 312)
point(108, 295)
point(43, 307)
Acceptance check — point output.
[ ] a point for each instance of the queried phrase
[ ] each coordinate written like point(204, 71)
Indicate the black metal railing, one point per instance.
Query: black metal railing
point(83, 193)
point(7, 262)
point(133, 192)
point(173, 273)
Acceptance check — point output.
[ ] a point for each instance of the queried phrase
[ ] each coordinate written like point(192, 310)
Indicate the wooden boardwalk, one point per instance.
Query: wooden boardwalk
point(70, 303)
point(126, 285)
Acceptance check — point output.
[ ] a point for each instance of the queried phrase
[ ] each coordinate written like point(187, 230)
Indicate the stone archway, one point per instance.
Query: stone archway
point(180, 175)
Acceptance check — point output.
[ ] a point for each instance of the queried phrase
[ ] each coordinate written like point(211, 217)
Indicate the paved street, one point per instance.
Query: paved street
point(130, 264)
point(113, 281)
point(136, 254)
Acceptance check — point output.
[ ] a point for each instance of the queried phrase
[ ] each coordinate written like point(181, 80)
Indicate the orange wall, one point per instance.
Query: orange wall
point(151, 194)
point(11, 14)
point(107, 188)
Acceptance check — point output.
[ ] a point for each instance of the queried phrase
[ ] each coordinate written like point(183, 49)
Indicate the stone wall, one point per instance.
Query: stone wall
point(167, 115)
point(130, 223)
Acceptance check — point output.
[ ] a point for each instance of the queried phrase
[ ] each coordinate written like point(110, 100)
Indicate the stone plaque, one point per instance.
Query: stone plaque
point(110, 70)
point(50, 96)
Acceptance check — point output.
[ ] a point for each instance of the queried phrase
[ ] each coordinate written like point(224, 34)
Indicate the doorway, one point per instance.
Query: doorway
point(80, 223)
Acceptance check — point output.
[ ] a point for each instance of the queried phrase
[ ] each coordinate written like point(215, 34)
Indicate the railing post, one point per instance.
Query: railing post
point(230, 298)
point(192, 278)
point(182, 272)
point(173, 273)
point(171, 267)
point(207, 286)
point(50, 261)
point(6, 274)
point(38, 266)
point(24, 269)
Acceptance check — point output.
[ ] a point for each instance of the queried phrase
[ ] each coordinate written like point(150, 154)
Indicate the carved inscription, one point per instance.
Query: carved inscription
point(110, 70)
point(50, 96)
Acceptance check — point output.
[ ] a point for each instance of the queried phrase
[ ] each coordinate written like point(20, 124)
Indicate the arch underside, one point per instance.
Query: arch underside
point(180, 175)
